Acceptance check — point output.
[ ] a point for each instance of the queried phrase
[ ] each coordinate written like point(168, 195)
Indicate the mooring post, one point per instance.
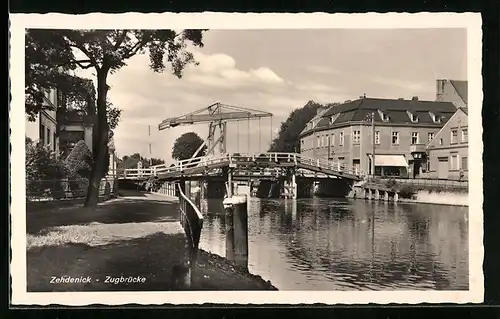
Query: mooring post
point(238, 205)
point(229, 213)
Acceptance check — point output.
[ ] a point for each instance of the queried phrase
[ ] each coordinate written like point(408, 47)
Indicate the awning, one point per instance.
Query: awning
point(390, 160)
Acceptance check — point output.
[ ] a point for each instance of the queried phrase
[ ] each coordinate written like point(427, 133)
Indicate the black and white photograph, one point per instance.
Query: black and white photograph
point(267, 159)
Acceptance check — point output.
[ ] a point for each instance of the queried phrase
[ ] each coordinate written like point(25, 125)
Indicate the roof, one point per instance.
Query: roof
point(445, 126)
point(396, 109)
point(465, 110)
point(461, 89)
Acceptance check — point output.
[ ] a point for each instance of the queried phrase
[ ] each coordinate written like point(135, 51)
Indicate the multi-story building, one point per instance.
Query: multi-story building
point(44, 128)
point(448, 153)
point(400, 132)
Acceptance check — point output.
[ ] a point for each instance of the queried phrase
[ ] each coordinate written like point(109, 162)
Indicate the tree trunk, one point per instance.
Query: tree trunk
point(100, 140)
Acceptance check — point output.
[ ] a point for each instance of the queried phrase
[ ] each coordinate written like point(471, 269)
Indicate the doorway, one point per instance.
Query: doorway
point(442, 170)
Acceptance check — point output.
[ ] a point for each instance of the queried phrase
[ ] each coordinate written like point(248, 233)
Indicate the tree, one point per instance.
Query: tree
point(185, 146)
point(288, 135)
point(106, 51)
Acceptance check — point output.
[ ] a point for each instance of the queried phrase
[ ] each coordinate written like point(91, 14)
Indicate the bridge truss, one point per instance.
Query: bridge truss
point(217, 116)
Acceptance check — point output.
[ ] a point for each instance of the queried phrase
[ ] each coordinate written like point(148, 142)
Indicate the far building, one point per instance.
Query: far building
point(402, 129)
point(448, 152)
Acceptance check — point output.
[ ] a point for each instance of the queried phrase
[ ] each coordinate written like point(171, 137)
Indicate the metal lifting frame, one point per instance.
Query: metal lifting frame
point(217, 120)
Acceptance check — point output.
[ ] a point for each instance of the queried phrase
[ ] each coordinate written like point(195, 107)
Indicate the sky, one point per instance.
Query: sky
point(278, 71)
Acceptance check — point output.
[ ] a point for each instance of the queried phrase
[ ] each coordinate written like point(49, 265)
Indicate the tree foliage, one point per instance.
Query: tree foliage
point(287, 139)
point(185, 146)
point(79, 161)
point(131, 161)
point(106, 51)
point(43, 169)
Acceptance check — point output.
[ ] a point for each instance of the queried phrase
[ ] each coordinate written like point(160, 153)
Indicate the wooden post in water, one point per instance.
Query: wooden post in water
point(229, 213)
point(238, 205)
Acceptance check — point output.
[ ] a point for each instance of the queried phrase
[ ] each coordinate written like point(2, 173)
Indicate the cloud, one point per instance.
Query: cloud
point(220, 70)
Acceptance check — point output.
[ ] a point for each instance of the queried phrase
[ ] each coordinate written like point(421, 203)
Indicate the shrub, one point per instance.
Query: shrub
point(44, 170)
point(391, 183)
point(78, 165)
point(407, 191)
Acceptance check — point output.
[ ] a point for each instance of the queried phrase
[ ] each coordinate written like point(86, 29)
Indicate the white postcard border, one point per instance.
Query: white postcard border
point(19, 22)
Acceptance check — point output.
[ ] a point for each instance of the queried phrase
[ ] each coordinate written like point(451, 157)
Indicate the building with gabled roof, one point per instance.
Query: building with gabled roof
point(403, 127)
point(447, 153)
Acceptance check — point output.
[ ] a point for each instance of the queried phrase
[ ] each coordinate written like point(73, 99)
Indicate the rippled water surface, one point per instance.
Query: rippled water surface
point(337, 244)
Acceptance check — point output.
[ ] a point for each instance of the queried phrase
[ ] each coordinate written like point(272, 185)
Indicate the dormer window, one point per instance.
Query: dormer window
point(383, 116)
point(413, 117)
point(334, 117)
point(435, 118)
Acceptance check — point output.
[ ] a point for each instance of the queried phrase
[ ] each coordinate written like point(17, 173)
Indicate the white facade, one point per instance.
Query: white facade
point(44, 128)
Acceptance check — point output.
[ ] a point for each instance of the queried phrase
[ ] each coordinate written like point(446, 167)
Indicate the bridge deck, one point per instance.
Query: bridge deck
point(253, 166)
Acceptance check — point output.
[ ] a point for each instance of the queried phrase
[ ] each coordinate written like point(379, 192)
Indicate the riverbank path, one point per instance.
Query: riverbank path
point(135, 236)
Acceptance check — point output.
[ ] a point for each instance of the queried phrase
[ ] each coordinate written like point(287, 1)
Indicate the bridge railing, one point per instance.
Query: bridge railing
point(191, 220)
point(236, 158)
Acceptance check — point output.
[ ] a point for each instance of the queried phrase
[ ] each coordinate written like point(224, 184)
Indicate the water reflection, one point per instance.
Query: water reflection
point(319, 244)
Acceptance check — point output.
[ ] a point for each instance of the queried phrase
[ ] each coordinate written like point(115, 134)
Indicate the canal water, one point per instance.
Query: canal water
point(340, 244)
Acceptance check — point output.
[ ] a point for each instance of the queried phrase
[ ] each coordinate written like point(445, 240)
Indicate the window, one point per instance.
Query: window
point(465, 136)
point(377, 137)
point(464, 163)
point(430, 136)
point(332, 140)
point(42, 133)
point(356, 134)
point(54, 141)
point(383, 116)
point(48, 136)
point(441, 141)
point(435, 118)
point(328, 140)
point(395, 138)
point(341, 142)
point(413, 117)
point(454, 162)
point(318, 141)
point(454, 135)
point(414, 138)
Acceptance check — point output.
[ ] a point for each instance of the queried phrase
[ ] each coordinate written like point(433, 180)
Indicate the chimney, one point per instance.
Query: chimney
point(440, 84)
point(415, 98)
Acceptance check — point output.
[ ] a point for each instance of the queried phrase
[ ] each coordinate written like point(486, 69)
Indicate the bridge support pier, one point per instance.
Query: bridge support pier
point(216, 189)
point(236, 212)
point(369, 194)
